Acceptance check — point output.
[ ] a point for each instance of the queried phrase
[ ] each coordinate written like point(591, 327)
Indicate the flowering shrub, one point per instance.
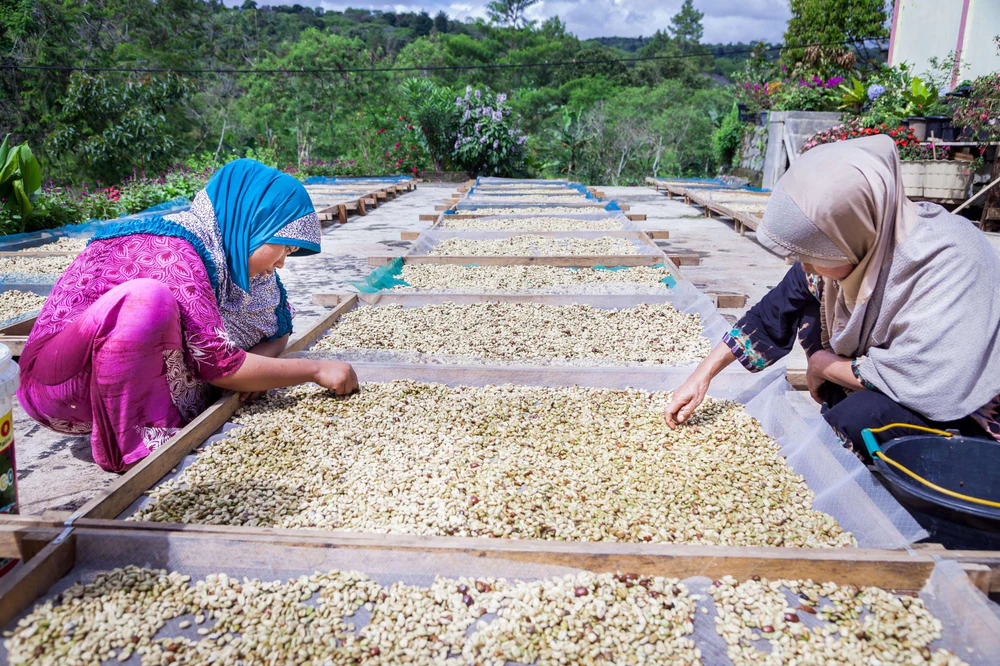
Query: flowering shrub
point(489, 140)
point(310, 168)
point(812, 94)
point(906, 141)
point(980, 111)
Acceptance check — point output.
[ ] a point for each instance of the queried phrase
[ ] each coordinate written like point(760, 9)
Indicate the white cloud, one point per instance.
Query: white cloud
point(725, 20)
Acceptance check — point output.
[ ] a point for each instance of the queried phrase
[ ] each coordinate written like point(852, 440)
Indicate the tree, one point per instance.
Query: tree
point(441, 22)
point(856, 23)
point(422, 24)
point(686, 27)
point(114, 124)
point(510, 12)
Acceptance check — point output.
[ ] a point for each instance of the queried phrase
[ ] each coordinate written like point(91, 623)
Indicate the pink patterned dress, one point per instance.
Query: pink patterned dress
point(124, 345)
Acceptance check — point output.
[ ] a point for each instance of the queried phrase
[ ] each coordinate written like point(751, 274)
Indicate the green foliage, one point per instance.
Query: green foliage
point(727, 138)
point(113, 126)
point(20, 180)
point(664, 130)
point(431, 108)
point(921, 99)
point(110, 124)
point(855, 96)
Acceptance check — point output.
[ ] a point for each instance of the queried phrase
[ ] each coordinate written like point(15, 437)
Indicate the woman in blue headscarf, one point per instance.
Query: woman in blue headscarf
point(158, 310)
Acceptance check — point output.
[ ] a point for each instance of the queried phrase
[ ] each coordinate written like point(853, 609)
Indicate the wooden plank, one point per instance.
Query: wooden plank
point(409, 235)
point(580, 261)
point(797, 378)
point(119, 495)
point(342, 213)
point(39, 254)
point(21, 328)
point(15, 343)
point(344, 303)
point(429, 217)
point(23, 543)
point(979, 575)
point(894, 570)
point(22, 587)
point(441, 208)
point(636, 217)
point(23, 536)
point(728, 300)
point(658, 235)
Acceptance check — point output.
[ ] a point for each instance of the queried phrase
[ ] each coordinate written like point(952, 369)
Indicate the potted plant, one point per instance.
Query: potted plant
point(929, 173)
point(919, 98)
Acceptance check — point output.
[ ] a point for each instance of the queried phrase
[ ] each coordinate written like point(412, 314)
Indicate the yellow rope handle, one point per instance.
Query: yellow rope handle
point(912, 427)
point(922, 480)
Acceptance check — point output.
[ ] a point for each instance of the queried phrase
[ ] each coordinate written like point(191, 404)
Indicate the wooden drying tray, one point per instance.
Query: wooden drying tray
point(116, 498)
point(742, 220)
point(341, 210)
point(53, 551)
point(435, 217)
point(448, 204)
point(568, 261)
point(414, 235)
point(464, 191)
point(440, 219)
point(720, 300)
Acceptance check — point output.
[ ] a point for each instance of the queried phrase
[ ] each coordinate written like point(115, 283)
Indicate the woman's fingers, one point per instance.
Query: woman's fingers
point(679, 409)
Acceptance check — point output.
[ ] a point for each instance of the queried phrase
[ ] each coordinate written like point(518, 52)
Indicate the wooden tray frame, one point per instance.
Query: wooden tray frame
point(359, 205)
point(892, 570)
point(674, 259)
point(720, 300)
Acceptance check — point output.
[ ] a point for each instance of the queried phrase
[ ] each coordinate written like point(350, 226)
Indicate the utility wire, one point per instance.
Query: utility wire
point(427, 68)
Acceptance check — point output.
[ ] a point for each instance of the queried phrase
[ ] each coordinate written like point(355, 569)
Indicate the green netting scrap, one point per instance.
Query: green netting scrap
point(382, 278)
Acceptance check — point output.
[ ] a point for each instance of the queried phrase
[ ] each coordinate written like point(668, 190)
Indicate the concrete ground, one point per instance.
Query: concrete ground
point(56, 472)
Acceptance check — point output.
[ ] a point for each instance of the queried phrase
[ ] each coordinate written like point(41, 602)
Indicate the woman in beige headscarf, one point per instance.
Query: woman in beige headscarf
point(896, 303)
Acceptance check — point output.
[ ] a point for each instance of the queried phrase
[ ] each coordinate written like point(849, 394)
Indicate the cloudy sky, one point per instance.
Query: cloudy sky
point(725, 20)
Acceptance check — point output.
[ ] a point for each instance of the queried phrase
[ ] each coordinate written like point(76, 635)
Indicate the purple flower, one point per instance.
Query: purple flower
point(497, 116)
point(496, 144)
point(465, 116)
point(510, 132)
point(458, 101)
point(476, 128)
point(479, 95)
point(501, 98)
point(482, 139)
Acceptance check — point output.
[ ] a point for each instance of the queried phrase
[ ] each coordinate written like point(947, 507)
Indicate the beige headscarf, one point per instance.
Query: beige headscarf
point(921, 304)
point(852, 191)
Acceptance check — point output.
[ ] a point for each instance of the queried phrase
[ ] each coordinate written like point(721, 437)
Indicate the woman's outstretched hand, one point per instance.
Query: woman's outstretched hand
point(686, 399)
point(337, 376)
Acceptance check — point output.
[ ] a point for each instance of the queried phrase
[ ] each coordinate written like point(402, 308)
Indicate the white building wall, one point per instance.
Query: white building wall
point(922, 29)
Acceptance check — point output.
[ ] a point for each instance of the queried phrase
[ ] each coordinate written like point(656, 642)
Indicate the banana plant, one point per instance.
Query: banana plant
point(20, 179)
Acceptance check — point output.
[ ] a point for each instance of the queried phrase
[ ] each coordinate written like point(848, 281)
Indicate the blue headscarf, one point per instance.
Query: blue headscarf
point(244, 206)
point(253, 203)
